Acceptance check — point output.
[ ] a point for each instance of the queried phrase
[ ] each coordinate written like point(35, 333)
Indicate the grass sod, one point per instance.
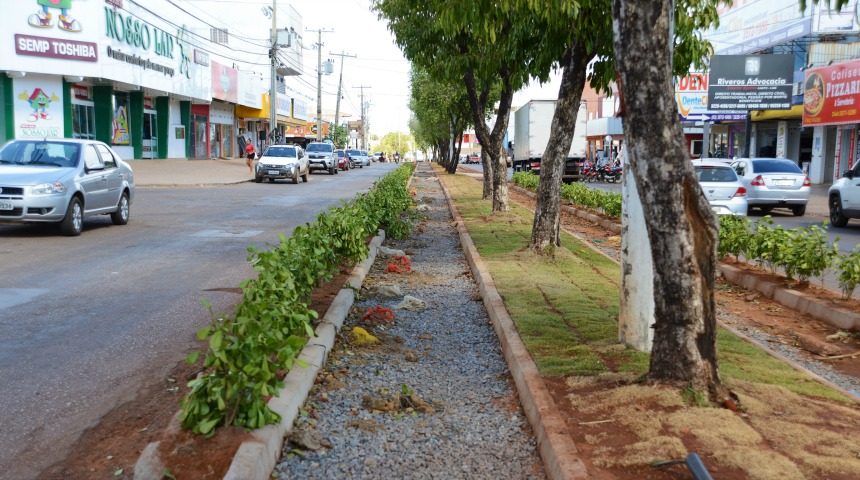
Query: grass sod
point(566, 310)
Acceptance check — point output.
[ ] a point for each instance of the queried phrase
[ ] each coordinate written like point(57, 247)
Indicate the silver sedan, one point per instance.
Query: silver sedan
point(773, 183)
point(721, 187)
point(63, 181)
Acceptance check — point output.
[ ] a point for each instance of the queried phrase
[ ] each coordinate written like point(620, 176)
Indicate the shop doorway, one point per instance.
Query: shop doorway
point(150, 134)
point(199, 135)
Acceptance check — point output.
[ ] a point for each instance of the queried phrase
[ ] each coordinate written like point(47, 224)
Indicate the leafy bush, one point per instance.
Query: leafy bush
point(247, 353)
point(526, 180)
point(734, 237)
point(808, 254)
point(849, 272)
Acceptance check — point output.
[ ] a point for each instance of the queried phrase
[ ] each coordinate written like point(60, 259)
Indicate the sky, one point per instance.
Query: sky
point(352, 28)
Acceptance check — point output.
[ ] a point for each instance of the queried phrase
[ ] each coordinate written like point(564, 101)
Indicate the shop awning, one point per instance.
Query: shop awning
point(796, 113)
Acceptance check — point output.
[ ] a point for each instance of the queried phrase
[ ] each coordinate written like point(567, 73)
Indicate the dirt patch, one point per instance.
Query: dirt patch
point(111, 448)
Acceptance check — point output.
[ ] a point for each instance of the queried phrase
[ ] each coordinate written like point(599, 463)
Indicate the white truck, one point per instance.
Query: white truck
point(531, 135)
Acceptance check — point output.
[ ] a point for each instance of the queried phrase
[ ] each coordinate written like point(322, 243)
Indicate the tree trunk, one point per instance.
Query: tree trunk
point(546, 225)
point(682, 229)
point(488, 176)
point(491, 141)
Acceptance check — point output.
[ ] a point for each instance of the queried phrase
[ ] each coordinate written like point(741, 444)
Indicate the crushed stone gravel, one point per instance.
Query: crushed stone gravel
point(470, 424)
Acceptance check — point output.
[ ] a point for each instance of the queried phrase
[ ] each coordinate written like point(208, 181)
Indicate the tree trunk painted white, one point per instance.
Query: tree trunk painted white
point(682, 229)
point(636, 315)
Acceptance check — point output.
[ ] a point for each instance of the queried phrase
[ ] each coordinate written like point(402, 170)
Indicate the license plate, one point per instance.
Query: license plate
point(274, 172)
point(783, 183)
point(5, 205)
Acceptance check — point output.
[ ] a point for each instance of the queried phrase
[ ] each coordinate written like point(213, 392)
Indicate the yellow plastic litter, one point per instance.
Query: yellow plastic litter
point(359, 336)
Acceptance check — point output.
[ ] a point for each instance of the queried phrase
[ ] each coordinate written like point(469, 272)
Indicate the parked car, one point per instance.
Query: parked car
point(358, 158)
point(321, 156)
point(367, 156)
point(773, 183)
point(843, 197)
point(722, 187)
point(376, 156)
point(63, 181)
point(282, 161)
point(342, 161)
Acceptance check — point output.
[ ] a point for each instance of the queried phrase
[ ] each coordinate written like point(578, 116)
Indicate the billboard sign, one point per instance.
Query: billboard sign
point(691, 94)
point(750, 82)
point(751, 25)
point(831, 95)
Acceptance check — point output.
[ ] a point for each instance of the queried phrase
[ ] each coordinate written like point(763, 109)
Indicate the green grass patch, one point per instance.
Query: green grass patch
point(566, 308)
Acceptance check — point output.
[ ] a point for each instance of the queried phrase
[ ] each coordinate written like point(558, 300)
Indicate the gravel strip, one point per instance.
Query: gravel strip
point(775, 343)
point(447, 354)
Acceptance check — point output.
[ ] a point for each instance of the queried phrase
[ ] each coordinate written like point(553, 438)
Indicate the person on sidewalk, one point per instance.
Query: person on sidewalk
point(250, 153)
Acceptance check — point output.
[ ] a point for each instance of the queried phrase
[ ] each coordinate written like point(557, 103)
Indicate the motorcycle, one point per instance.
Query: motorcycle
point(613, 174)
point(588, 174)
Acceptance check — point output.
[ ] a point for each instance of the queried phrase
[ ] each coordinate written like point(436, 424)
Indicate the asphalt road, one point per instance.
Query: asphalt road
point(84, 321)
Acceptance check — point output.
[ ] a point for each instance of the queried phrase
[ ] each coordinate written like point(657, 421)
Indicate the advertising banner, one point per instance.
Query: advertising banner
point(752, 25)
point(831, 95)
point(225, 83)
point(94, 39)
point(750, 82)
point(691, 94)
point(249, 93)
point(38, 107)
point(300, 109)
point(121, 131)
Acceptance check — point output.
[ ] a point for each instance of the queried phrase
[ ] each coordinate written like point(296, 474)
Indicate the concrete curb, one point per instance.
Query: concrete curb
point(818, 309)
point(256, 458)
point(555, 443)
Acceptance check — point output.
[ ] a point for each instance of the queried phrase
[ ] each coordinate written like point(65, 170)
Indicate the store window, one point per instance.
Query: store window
point(83, 122)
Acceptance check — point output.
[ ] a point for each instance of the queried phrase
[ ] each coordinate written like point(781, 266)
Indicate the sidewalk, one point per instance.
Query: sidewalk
point(187, 172)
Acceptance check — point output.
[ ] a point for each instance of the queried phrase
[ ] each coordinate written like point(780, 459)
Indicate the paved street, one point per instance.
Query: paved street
point(84, 321)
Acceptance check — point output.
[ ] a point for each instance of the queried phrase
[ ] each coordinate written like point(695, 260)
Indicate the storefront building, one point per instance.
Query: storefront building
point(117, 72)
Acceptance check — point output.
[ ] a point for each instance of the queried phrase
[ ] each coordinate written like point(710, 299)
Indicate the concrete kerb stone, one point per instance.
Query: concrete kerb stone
point(557, 449)
point(836, 317)
point(256, 458)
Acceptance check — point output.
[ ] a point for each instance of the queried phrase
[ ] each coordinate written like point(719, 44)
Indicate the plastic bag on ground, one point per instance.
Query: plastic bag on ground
point(391, 251)
point(411, 303)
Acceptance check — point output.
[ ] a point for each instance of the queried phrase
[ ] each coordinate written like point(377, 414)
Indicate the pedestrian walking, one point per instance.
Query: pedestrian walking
point(250, 153)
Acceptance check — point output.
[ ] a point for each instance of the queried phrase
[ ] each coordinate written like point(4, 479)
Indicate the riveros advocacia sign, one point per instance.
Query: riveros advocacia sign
point(750, 82)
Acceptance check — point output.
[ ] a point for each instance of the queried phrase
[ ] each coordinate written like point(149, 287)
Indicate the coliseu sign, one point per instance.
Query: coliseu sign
point(831, 95)
point(138, 34)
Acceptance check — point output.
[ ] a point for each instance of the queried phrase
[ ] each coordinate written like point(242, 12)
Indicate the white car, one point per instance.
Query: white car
point(773, 183)
point(282, 161)
point(322, 156)
point(63, 181)
point(843, 197)
point(721, 186)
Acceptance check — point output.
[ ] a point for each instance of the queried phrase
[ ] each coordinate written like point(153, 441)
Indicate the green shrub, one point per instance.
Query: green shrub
point(527, 180)
point(849, 272)
point(246, 353)
point(808, 253)
point(734, 236)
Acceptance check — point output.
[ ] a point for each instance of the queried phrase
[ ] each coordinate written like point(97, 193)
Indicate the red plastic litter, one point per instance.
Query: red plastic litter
point(378, 314)
point(400, 265)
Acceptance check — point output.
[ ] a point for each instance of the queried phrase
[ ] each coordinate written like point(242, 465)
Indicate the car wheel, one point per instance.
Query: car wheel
point(306, 175)
point(798, 210)
point(296, 177)
point(837, 218)
point(73, 223)
point(258, 179)
point(120, 216)
point(331, 171)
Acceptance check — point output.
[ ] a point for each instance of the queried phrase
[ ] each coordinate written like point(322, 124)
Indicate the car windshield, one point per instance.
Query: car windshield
point(353, 152)
point(319, 147)
point(775, 166)
point(340, 153)
point(707, 174)
point(280, 152)
point(40, 152)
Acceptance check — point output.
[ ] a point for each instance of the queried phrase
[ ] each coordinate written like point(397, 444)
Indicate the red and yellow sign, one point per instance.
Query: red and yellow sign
point(831, 95)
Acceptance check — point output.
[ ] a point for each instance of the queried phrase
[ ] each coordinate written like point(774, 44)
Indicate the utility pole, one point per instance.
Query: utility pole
point(363, 117)
point(273, 92)
point(319, 31)
point(339, 85)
